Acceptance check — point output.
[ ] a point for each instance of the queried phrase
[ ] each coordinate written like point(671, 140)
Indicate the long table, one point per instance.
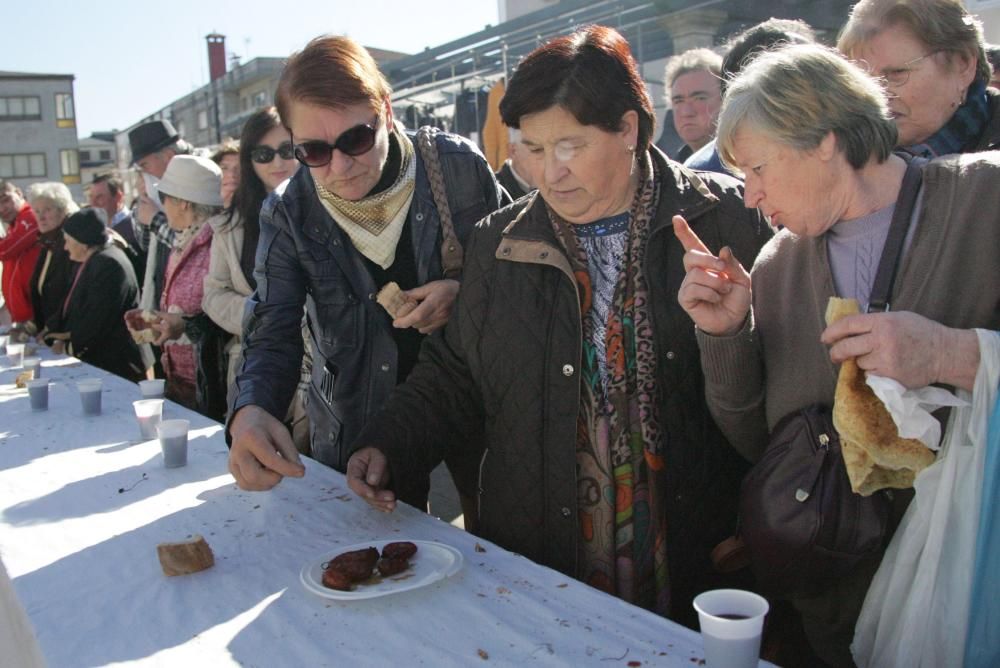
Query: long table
point(84, 502)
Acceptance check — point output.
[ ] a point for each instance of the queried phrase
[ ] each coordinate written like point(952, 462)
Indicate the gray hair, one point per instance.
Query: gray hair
point(56, 194)
point(942, 25)
point(692, 60)
point(797, 95)
point(204, 211)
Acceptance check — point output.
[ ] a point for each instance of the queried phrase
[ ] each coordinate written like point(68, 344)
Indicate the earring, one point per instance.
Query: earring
point(630, 148)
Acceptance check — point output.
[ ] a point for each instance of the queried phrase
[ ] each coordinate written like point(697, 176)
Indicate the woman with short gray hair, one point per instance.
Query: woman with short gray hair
point(812, 134)
point(53, 204)
point(931, 56)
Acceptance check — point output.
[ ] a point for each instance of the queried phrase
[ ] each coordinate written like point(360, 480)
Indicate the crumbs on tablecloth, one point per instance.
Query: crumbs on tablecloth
point(482, 654)
point(480, 548)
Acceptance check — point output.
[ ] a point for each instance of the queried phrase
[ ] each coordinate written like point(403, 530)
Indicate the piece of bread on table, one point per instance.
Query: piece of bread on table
point(875, 455)
point(185, 557)
point(393, 300)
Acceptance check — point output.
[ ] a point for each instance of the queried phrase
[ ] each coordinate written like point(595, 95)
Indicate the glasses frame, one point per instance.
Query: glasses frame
point(286, 150)
point(371, 130)
point(900, 76)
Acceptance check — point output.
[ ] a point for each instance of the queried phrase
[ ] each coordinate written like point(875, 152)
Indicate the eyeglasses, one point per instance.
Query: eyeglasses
point(353, 142)
point(264, 154)
point(897, 76)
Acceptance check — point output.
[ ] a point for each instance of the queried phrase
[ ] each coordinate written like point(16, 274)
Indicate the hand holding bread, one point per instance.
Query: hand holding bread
point(875, 455)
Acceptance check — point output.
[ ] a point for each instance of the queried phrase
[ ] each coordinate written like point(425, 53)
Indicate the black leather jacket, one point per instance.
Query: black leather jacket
point(303, 257)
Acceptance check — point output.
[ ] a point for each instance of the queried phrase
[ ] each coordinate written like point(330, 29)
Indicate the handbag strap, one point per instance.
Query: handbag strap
point(451, 249)
point(888, 266)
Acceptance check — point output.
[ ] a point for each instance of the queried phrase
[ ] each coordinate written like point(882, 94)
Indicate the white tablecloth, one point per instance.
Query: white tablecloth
point(83, 504)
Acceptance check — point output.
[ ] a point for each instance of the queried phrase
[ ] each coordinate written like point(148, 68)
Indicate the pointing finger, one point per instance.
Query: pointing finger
point(687, 237)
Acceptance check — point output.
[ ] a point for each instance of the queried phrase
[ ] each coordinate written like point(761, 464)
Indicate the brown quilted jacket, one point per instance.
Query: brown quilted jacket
point(501, 382)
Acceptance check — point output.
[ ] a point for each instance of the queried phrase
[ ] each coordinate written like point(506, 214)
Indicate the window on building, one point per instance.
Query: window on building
point(202, 119)
point(84, 156)
point(20, 108)
point(69, 160)
point(105, 155)
point(260, 99)
point(22, 165)
point(65, 116)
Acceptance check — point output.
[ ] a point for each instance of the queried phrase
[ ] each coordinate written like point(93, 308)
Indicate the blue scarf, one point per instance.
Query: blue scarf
point(965, 125)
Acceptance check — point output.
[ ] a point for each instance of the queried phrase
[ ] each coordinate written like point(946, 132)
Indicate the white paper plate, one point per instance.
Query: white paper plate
point(432, 562)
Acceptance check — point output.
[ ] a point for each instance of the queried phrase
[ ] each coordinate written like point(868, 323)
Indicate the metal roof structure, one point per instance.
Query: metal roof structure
point(430, 77)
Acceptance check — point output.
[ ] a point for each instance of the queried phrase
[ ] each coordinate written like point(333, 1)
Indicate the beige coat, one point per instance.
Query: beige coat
point(226, 289)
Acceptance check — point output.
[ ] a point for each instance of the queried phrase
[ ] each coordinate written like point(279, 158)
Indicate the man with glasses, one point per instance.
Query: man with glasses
point(366, 213)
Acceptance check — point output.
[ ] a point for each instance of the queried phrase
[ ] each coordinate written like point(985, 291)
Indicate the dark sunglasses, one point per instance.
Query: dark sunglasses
point(352, 142)
point(264, 154)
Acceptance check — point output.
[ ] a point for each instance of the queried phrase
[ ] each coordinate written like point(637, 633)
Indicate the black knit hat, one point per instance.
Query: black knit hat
point(88, 226)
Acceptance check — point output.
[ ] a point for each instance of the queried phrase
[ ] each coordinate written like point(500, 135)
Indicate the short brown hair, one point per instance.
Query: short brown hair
point(229, 146)
point(943, 25)
point(591, 74)
point(332, 72)
point(112, 180)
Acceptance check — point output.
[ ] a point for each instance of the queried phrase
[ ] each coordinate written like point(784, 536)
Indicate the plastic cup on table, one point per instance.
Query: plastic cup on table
point(90, 395)
point(151, 389)
point(173, 436)
point(34, 365)
point(149, 413)
point(4, 338)
point(15, 354)
point(731, 621)
point(38, 393)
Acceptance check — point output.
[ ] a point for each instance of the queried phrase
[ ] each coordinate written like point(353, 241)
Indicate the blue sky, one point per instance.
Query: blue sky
point(131, 58)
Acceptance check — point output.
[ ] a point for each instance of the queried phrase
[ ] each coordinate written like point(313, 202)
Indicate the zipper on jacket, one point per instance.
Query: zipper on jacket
point(479, 487)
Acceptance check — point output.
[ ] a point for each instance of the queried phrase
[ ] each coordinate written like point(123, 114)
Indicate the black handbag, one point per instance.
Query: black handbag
point(800, 520)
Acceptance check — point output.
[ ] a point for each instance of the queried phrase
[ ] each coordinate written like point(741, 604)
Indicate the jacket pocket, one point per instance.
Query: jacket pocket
point(337, 308)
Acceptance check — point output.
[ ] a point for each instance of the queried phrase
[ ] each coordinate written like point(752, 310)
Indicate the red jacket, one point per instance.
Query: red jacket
point(18, 254)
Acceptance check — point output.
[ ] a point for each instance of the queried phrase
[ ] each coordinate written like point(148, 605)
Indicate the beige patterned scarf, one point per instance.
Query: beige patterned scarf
point(375, 223)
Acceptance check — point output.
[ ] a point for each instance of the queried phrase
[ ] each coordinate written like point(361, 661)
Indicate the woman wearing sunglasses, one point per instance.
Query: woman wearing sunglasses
point(265, 160)
point(361, 216)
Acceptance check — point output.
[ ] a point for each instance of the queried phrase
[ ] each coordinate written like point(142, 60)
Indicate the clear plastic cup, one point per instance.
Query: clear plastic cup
point(15, 354)
point(149, 413)
point(90, 395)
point(152, 389)
point(34, 365)
point(731, 621)
point(173, 436)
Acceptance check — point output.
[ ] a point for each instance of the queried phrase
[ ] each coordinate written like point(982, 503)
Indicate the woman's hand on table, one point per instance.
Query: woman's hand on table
point(434, 302)
point(262, 452)
point(906, 347)
point(716, 289)
point(368, 476)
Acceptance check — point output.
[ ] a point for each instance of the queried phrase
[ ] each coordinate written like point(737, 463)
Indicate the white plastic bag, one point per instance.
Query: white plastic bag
point(916, 610)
